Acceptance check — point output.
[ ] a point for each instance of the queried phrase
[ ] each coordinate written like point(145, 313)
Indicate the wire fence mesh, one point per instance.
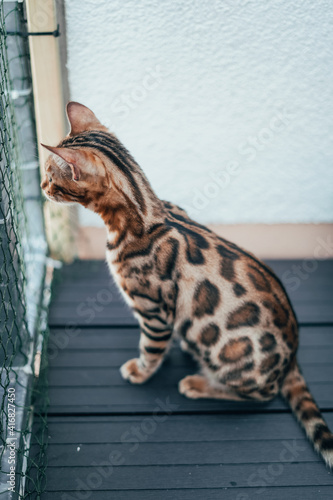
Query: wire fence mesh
point(23, 299)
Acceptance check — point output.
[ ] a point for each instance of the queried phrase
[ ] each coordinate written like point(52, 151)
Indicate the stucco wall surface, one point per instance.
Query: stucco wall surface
point(226, 105)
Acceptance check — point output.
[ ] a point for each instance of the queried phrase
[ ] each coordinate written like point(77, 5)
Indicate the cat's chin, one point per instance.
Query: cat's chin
point(62, 202)
point(59, 201)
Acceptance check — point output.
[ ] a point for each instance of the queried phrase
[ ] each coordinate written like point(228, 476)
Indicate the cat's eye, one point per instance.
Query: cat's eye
point(50, 179)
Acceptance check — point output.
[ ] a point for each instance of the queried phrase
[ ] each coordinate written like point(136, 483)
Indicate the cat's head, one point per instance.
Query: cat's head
point(91, 167)
point(76, 170)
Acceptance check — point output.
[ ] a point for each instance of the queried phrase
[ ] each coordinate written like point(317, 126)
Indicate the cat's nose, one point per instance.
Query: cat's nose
point(43, 184)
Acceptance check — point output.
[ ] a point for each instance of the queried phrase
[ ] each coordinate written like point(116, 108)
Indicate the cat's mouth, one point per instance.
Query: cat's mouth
point(52, 197)
point(49, 197)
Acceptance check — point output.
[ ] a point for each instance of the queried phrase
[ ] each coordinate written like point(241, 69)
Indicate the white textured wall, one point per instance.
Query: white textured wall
point(199, 90)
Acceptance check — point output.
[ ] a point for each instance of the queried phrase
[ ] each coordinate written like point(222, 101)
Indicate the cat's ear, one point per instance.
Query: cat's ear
point(82, 118)
point(73, 157)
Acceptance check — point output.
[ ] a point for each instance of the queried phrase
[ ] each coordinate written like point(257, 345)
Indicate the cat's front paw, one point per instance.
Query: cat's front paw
point(133, 372)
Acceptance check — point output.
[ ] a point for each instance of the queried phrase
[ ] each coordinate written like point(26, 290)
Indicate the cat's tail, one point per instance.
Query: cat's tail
point(304, 407)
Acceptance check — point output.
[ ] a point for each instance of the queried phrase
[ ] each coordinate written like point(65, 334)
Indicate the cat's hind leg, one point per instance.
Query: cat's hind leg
point(199, 386)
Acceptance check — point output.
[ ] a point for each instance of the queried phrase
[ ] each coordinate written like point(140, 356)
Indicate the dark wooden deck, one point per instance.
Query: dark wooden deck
point(109, 439)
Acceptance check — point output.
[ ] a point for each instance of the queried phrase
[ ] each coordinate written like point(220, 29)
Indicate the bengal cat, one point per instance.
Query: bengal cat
point(228, 308)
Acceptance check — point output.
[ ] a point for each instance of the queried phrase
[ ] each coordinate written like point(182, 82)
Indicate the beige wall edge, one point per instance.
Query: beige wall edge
point(278, 241)
point(50, 116)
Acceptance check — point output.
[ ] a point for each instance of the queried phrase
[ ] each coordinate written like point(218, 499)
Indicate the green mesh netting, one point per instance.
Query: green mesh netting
point(23, 298)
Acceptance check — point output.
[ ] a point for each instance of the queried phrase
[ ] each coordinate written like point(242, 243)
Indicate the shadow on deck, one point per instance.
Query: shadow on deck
point(109, 439)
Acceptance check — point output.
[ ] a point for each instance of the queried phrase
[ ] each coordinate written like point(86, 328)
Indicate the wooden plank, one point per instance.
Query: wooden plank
point(121, 319)
point(184, 428)
point(133, 399)
point(189, 476)
point(321, 266)
point(84, 315)
point(229, 493)
point(310, 312)
point(97, 377)
point(181, 453)
point(74, 293)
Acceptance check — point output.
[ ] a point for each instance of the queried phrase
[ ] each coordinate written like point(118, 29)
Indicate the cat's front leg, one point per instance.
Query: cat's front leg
point(153, 348)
